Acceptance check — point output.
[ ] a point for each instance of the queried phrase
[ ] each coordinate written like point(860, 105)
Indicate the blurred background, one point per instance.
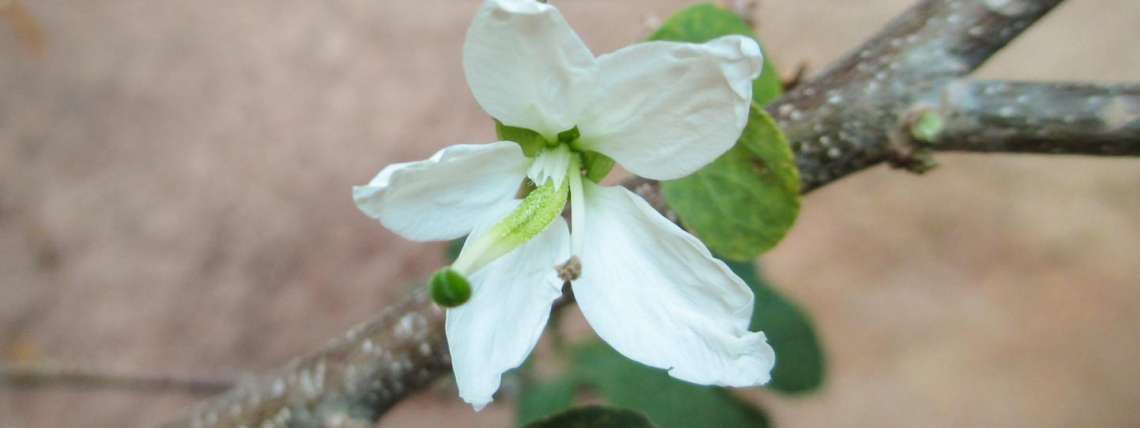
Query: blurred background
point(175, 195)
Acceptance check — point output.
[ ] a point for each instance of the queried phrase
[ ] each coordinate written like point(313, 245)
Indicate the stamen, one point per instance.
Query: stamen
point(550, 164)
point(570, 270)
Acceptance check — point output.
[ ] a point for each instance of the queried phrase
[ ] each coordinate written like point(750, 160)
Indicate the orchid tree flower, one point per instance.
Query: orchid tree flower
point(647, 287)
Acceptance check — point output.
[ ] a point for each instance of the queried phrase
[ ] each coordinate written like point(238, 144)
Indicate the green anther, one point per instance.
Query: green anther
point(530, 218)
point(449, 288)
point(569, 136)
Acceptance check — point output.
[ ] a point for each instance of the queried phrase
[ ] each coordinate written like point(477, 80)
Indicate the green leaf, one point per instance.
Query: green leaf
point(800, 362)
point(540, 399)
point(530, 141)
point(704, 22)
point(594, 417)
point(744, 202)
point(668, 402)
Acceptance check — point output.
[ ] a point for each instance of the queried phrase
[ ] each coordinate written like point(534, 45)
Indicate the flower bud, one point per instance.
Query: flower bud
point(449, 288)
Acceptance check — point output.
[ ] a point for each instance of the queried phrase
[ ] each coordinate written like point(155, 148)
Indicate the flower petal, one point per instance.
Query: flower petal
point(667, 109)
point(656, 294)
point(526, 66)
point(510, 304)
point(447, 195)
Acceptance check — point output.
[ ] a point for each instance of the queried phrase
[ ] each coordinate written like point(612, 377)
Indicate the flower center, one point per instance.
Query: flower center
point(536, 211)
point(556, 175)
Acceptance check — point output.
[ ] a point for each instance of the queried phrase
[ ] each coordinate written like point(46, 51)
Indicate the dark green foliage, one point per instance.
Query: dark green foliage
point(800, 362)
point(594, 417)
point(669, 403)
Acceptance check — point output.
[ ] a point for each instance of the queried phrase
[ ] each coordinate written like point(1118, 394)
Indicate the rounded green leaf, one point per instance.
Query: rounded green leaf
point(704, 22)
point(744, 202)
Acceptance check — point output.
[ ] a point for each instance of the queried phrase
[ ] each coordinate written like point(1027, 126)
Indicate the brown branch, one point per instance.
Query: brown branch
point(36, 374)
point(349, 382)
point(844, 120)
point(1024, 117)
point(838, 123)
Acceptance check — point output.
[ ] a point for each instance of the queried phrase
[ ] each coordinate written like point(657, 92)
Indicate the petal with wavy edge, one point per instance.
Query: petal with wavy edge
point(447, 195)
point(526, 66)
point(666, 109)
point(510, 304)
point(656, 294)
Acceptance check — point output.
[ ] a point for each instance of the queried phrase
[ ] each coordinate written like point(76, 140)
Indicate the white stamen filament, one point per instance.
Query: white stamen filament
point(577, 205)
point(550, 164)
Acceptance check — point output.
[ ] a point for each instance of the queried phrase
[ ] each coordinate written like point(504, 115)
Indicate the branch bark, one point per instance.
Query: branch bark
point(1025, 117)
point(846, 119)
point(350, 382)
point(852, 116)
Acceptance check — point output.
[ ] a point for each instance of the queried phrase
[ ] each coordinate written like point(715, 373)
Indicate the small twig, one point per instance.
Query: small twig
point(36, 374)
point(790, 82)
point(843, 120)
point(1034, 117)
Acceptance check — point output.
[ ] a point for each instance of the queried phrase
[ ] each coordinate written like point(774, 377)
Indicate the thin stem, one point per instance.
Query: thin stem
point(1035, 117)
point(577, 206)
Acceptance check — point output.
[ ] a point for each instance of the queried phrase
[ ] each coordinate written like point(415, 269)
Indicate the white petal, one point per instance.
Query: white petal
point(656, 294)
point(510, 304)
point(447, 195)
point(667, 109)
point(526, 66)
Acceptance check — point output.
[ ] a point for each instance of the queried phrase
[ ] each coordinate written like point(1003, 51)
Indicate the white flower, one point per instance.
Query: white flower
point(652, 291)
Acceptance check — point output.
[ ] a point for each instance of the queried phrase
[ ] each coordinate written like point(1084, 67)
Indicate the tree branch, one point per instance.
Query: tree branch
point(1021, 117)
point(349, 382)
point(845, 119)
point(850, 117)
